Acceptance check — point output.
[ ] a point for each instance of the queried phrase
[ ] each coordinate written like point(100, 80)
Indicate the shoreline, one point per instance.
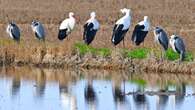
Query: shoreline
point(89, 61)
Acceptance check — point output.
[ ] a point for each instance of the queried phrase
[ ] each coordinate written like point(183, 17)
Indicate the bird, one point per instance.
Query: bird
point(121, 27)
point(161, 38)
point(178, 46)
point(140, 31)
point(66, 26)
point(38, 29)
point(13, 31)
point(90, 28)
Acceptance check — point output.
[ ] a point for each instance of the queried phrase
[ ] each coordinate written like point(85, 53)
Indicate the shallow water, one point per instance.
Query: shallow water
point(46, 89)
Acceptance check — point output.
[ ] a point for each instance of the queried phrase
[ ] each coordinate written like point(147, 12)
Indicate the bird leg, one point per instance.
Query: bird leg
point(143, 44)
point(164, 54)
point(67, 38)
point(180, 59)
point(124, 87)
point(179, 62)
point(123, 43)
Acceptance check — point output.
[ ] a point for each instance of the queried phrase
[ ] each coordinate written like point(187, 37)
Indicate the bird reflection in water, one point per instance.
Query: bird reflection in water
point(119, 96)
point(40, 83)
point(181, 92)
point(90, 95)
point(68, 100)
point(16, 84)
point(162, 99)
point(140, 99)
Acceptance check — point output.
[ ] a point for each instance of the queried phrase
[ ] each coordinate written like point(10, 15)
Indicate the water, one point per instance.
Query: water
point(28, 88)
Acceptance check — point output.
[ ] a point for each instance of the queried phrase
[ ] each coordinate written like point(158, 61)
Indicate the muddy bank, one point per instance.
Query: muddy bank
point(88, 61)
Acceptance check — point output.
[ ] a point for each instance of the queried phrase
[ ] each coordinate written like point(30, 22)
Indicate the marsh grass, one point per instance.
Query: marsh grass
point(172, 56)
point(84, 49)
point(139, 53)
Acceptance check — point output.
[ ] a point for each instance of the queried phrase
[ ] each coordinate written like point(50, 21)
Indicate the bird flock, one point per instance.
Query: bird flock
point(120, 29)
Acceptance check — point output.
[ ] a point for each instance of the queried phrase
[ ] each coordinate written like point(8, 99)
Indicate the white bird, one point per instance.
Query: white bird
point(121, 27)
point(90, 28)
point(38, 29)
point(178, 46)
point(140, 31)
point(13, 31)
point(67, 26)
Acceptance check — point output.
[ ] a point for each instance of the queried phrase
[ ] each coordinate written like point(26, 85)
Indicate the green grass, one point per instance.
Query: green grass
point(84, 49)
point(104, 52)
point(139, 53)
point(172, 56)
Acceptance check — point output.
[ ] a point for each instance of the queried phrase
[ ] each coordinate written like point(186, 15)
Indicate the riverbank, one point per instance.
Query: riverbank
point(83, 56)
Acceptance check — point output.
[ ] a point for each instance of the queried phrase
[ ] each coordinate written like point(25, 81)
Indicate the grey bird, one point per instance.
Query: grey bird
point(38, 29)
point(178, 46)
point(13, 31)
point(161, 38)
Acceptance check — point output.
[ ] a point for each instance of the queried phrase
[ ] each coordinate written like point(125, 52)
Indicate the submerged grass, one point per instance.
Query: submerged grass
point(140, 82)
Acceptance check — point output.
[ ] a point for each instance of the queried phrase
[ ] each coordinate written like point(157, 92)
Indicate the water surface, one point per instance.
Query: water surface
point(27, 88)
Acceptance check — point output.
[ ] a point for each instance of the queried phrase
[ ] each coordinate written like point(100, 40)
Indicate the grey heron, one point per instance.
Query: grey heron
point(90, 28)
point(66, 27)
point(121, 27)
point(178, 46)
point(161, 38)
point(13, 31)
point(38, 29)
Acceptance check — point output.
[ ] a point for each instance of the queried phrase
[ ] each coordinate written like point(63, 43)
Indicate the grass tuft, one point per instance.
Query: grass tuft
point(189, 57)
point(139, 53)
point(84, 49)
point(171, 55)
point(105, 52)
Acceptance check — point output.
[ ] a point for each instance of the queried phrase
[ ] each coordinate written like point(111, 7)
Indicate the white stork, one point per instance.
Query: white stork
point(121, 27)
point(90, 28)
point(140, 31)
point(67, 26)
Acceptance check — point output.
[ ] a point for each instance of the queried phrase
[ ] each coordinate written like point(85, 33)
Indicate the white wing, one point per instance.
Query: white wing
point(96, 24)
point(125, 21)
point(64, 24)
